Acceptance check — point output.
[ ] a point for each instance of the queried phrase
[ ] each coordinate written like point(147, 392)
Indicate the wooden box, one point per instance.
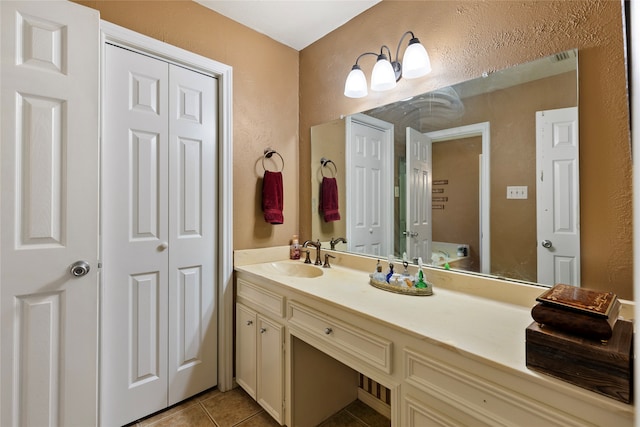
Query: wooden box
point(604, 368)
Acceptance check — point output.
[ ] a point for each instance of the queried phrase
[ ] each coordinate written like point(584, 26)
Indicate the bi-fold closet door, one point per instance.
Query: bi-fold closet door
point(158, 320)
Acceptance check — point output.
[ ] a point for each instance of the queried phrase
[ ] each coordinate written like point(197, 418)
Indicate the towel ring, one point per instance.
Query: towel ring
point(324, 162)
point(268, 152)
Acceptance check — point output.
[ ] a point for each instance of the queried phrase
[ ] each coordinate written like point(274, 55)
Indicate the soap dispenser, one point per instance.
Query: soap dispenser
point(420, 283)
point(294, 252)
point(378, 275)
point(390, 272)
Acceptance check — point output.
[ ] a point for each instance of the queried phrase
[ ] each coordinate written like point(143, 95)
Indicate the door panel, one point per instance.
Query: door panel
point(49, 218)
point(558, 197)
point(135, 244)
point(418, 196)
point(193, 363)
point(369, 186)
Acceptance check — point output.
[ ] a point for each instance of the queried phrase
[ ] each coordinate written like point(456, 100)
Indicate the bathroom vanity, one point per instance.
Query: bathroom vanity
point(305, 333)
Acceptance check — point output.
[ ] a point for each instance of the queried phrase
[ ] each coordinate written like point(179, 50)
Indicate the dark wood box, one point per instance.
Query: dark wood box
point(604, 368)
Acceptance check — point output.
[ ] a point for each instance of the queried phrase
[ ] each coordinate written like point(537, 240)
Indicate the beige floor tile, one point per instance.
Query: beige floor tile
point(262, 419)
point(367, 415)
point(193, 416)
point(342, 419)
point(231, 407)
point(166, 413)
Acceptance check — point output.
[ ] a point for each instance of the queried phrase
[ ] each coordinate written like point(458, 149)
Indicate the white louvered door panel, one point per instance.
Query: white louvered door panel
point(49, 217)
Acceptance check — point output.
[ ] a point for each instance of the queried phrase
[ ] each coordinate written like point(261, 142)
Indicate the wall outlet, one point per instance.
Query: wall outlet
point(517, 192)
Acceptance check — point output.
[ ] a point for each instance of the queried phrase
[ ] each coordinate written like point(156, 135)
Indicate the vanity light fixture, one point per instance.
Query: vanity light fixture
point(386, 72)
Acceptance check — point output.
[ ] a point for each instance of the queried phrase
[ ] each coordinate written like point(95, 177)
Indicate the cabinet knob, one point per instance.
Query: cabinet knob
point(249, 322)
point(263, 330)
point(328, 331)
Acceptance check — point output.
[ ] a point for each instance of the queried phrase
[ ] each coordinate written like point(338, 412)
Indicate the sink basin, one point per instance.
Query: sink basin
point(294, 270)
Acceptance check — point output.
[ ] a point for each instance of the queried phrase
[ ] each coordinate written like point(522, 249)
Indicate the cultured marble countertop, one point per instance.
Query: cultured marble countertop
point(463, 314)
point(478, 326)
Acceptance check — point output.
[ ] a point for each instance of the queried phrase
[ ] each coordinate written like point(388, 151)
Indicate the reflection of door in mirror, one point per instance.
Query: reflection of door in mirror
point(369, 155)
point(418, 202)
point(558, 196)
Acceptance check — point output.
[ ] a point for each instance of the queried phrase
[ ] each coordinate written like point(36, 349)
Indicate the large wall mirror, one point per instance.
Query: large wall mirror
point(481, 176)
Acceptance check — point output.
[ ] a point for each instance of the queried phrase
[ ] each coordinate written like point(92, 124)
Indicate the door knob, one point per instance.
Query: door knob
point(546, 244)
point(163, 246)
point(410, 233)
point(79, 268)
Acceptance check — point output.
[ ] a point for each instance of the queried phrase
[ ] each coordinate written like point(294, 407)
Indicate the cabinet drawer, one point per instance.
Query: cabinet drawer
point(452, 388)
point(369, 348)
point(266, 300)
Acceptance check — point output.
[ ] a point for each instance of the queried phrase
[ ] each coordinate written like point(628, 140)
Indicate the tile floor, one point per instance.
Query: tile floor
point(236, 409)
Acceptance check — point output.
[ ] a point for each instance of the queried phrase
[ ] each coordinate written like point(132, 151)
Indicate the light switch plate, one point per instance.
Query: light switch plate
point(517, 192)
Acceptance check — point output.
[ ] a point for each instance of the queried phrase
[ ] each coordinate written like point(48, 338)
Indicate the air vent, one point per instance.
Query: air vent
point(567, 54)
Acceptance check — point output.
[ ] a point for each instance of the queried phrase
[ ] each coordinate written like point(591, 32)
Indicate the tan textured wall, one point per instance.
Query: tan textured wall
point(265, 100)
point(464, 40)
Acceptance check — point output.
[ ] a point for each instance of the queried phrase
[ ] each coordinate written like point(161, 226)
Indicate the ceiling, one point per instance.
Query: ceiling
point(295, 23)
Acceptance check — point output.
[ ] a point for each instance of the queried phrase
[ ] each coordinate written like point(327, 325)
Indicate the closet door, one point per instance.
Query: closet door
point(193, 350)
point(159, 302)
point(135, 237)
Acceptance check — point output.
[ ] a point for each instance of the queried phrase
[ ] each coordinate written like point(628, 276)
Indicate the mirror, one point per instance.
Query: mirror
point(482, 171)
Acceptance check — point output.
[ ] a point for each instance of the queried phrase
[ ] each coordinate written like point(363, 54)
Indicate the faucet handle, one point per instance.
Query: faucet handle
point(307, 260)
point(326, 260)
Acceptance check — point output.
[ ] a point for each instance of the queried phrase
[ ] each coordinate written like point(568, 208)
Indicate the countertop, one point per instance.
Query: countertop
point(482, 328)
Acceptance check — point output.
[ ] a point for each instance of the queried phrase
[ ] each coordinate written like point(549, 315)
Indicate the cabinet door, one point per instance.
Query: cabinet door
point(270, 367)
point(246, 349)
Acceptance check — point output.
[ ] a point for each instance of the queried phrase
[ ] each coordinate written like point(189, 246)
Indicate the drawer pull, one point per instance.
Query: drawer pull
point(263, 330)
point(328, 331)
point(249, 322)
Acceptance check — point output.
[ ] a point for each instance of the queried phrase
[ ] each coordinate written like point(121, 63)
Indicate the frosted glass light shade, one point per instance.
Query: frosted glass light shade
point(415, 62)
point(383, 77)
point(356, 84)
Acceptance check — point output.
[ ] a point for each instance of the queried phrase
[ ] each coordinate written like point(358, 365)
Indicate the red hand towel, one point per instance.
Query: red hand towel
point(329, 199)
point(272, 197)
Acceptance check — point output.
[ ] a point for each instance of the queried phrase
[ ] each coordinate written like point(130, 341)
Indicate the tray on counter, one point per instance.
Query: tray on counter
point(402, 290)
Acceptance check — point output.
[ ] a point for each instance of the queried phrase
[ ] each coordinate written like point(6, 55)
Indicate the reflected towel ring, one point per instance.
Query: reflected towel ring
point(268, 152)
point(325, 162)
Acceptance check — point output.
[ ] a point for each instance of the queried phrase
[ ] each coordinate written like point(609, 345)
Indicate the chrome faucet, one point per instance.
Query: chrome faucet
point(333, 242)
point(317, 246)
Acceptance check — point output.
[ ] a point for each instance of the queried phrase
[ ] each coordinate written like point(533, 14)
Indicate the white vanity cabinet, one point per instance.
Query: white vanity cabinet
point(260, 347)
point(336, 327)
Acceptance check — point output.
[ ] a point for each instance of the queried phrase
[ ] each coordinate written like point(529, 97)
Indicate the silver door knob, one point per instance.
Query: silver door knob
point(79, 268)
point(547, 244)
point(328, 331)
point(410, 233)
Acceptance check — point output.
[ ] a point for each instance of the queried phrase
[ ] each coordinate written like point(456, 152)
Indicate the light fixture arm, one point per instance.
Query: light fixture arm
point(363, 54)
point(396, 64)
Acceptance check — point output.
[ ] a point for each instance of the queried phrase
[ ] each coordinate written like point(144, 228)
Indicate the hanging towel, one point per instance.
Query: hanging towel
point(272, 197)
point(329, 199)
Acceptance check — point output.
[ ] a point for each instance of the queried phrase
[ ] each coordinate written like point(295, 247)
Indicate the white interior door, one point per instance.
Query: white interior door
point(193, 313)
point(369, 185)
point(159, 328)
point(418, 233)
point(558, 196)
point(49, 217)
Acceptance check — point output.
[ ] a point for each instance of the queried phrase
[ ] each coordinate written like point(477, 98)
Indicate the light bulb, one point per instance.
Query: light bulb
point(383, 77)
point(356, 84)
point(415, 62)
